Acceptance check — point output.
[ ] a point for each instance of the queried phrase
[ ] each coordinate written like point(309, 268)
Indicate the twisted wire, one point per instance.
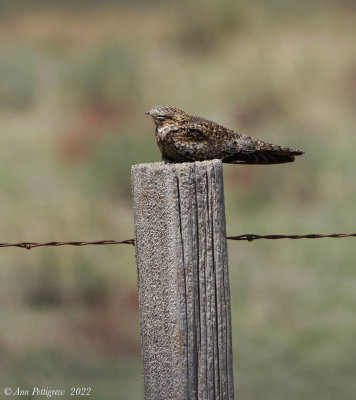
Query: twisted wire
point(251, 237)
point(30, 245)
point(247, 236)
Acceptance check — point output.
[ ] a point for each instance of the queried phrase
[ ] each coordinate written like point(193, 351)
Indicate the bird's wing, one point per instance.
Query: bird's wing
point(203, 139)
point(200, 139)
point(209, 130)
point(234, 147)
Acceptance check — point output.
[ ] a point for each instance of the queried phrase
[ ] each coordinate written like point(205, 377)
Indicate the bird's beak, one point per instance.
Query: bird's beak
point(147, 113)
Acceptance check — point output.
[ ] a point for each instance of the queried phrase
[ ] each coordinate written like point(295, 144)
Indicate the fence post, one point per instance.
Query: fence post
point(184, 294)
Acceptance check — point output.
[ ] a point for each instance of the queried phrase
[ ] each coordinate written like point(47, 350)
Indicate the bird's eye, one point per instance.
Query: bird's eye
point(161, 116)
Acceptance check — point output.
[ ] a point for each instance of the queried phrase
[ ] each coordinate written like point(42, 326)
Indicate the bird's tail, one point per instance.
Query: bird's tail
point(265, 153)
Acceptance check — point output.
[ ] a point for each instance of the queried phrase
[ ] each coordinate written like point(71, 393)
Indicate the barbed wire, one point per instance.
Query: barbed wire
point(247, 236)
point(250, 236)
point(30, 245)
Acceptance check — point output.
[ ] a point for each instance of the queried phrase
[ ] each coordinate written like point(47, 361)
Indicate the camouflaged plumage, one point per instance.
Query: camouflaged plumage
point(182, 137)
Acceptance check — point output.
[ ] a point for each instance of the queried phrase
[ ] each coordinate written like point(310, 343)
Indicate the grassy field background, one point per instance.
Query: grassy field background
point(76, 78)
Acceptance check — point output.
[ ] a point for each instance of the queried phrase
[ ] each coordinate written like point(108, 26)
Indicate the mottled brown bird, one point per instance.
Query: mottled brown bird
point(182, 137)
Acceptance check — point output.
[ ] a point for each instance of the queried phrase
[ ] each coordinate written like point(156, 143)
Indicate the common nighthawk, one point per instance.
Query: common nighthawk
point(184, 138)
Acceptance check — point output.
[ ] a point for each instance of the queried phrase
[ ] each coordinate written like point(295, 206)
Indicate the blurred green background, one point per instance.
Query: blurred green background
point(76, 78)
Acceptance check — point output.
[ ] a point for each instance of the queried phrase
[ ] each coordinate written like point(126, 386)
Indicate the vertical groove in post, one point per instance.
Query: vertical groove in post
point(183, 281)
point(185, 176)
point(222, 284)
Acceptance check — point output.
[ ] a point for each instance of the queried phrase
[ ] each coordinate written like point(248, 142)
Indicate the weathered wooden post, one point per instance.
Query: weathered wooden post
point(184, 294)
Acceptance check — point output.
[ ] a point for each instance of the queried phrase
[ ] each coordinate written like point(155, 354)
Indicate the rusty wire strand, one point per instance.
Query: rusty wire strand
point(30, 245)
point(248, 236)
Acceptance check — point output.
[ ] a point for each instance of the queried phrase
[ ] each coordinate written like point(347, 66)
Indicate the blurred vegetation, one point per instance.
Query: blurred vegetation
point(77, 77)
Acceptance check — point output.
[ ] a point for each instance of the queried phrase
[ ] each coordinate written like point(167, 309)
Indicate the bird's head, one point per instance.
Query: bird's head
point(162, 115)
